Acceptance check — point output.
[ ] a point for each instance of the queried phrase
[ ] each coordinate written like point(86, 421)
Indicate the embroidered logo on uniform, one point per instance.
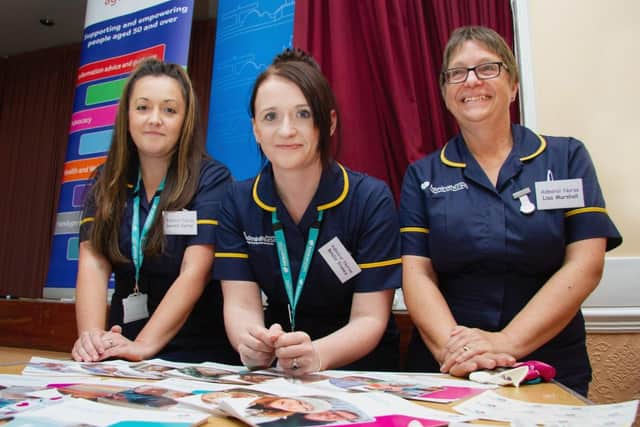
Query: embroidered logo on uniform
point(259, 240)
point(444, 188)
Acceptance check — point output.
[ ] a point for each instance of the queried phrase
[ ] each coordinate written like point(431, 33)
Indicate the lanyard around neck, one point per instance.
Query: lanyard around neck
point(139, 237)
point(285, 266)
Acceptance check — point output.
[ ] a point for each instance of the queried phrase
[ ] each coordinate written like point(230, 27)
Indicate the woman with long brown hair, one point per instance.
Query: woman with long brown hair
point(150, 218)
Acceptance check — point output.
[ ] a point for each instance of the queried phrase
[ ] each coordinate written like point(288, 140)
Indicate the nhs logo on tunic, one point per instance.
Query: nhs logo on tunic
point(444, 188)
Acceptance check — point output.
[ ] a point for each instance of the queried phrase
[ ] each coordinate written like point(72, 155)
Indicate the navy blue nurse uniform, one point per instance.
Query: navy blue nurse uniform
point(491, 258)
point(202, 337)
point(358, 209)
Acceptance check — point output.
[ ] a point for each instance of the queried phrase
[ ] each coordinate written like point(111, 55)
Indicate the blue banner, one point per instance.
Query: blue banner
point(248, 36)
point(118, 35)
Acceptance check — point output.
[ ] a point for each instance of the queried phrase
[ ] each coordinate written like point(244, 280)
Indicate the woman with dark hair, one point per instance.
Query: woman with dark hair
point(495, 266)
point(330, 282)
point(150, 218)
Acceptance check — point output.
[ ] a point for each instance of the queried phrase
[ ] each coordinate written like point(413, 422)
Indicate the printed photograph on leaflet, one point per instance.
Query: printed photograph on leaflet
point(298, 410)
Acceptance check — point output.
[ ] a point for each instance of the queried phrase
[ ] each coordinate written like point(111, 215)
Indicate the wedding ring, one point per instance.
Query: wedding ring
point(295, 365)
point(466, 348)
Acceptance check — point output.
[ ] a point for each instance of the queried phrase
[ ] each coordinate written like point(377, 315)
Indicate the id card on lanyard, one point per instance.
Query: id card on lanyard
point(135, 305)
point(285, 266)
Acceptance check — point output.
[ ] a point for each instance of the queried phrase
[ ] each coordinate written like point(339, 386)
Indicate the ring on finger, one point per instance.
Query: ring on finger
point(295, 364)
point(466, 348)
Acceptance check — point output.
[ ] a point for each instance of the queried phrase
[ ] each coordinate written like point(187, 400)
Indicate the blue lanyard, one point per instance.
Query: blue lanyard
point(139, 238)
point(285, 266)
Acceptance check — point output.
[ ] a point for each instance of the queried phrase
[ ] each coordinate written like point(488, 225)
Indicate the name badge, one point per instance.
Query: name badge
point(180, 223)
point(559, 194)
point(135, 307)
point(339, 259)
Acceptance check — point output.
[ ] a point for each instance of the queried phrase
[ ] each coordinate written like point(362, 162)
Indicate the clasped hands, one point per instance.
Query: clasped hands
point(471, 349)
point(96, 345)
point(296, 354)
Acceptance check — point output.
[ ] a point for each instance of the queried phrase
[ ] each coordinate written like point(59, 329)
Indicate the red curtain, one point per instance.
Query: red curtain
point(382, 58)
point(37, 96)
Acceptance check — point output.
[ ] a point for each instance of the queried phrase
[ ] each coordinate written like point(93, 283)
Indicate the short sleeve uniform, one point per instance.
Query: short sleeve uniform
point(490, 257)
point(202, 337)
point(358, 210)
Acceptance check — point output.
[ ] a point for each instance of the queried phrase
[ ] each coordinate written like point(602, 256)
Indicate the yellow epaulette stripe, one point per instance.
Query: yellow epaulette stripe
point(207, 221)
point(231, 255)
point(414, 230)
point(381, 263)
point(87, 219)
point(584, 210)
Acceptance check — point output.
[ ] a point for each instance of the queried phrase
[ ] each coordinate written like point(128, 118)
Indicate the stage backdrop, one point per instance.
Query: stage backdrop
point(248, 36)
point(117, 35)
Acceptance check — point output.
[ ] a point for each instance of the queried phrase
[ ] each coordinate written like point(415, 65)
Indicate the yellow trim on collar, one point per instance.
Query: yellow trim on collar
point(541, 148)
point(414, 230)
point(337, 201)
point(87, 219)
point(257, 199)
point(231, 255)
point(584, 210)
point(380, 263)
point(448, 162)
point(342, 195)
point(207, 221)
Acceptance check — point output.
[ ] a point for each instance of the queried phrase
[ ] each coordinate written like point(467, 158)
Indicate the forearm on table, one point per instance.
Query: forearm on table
point(91, 289)
point(367, 323)
point(558, 301)
point(427, 307)
point(177, 304)
point(242, 309)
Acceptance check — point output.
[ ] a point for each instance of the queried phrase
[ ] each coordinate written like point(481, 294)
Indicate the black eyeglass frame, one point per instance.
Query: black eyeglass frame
point(446, 72)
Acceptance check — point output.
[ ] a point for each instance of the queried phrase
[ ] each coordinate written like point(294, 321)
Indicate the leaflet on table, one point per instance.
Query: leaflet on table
point(281, 403)
point(88, 413)
point(115, 368)
point(493, 406)
point(414, 387)
point(18, 395)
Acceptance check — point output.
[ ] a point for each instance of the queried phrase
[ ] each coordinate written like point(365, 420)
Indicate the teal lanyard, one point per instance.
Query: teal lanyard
point(139, 238)
point(285, 266)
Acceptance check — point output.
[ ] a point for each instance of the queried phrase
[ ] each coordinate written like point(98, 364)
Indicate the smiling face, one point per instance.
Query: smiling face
point(291, 405)
point(478, 101)
point(283, 125)
point(156, 113)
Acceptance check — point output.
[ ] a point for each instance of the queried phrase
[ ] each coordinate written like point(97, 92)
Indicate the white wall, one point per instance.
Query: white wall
point(586, 67)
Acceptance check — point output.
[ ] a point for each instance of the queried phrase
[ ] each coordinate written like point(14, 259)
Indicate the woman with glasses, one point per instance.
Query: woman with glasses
point(319, 240)
point(503, 230)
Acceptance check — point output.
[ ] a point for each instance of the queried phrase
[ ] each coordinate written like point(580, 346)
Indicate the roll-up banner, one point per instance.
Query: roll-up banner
point(118, 34)
point(248, 35)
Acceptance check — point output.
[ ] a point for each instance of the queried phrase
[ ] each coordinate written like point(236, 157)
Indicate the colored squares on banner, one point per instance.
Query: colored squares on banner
point(105, 92)
point(73, 248)
point(95, 142)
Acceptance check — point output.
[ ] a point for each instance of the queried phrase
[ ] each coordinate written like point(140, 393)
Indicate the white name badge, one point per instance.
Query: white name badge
point(339, 259)
point(135, 307)
point(560, 194)
point(180, 223)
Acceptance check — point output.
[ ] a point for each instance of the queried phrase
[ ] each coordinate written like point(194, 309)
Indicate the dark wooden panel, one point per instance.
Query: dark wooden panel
point(45, 325)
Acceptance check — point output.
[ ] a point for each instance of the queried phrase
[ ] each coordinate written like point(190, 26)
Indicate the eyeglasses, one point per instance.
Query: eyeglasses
point(486, 71)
